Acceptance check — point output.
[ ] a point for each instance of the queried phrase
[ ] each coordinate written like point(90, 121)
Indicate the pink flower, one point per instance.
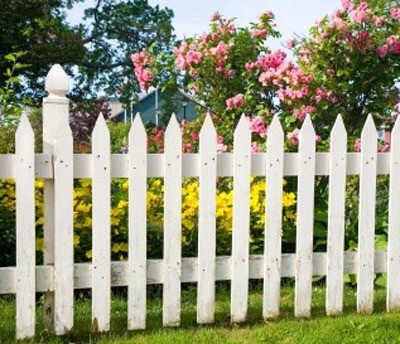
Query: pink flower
point(249, 66)
point(255, 148)
point(347, 5)
point(360, 13)
point(193, 57)
point(257, 125)
point(382, 50)
point(194, 135)
point(308, 79)
point(258, 32)
point(395, 13)
point(221, 148)
point(215, 16)
point(236, 101)
point(357, 145)
point(293, 137)
point(379, 21)
point(289, 44)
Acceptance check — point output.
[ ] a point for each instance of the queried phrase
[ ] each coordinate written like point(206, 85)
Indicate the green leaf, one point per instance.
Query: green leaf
point(10, 57)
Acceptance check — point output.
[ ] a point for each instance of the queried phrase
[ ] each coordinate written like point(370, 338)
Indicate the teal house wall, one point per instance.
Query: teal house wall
point(147, 106)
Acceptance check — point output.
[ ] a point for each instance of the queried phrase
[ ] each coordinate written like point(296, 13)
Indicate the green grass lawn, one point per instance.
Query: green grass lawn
point(349, 328)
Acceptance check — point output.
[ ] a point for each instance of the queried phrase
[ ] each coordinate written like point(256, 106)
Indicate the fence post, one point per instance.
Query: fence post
point(55, 110)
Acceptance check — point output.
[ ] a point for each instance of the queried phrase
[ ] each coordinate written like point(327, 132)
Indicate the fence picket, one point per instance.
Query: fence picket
point(336, 224)
point(241, 221)
point(273, 220)
point(207, 223)
point(172, 224)
point(137, 272)
point(64, 230)
point(305, 220)
point(393, 257)
point(25, 228)
point(366, 218)
point(101, 231)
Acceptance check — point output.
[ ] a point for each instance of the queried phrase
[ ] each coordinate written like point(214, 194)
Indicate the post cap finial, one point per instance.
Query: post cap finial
point(57, 81)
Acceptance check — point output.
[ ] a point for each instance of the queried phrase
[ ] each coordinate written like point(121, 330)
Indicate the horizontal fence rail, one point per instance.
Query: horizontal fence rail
point(155, 271)
point(59, 275)
point(190, 165)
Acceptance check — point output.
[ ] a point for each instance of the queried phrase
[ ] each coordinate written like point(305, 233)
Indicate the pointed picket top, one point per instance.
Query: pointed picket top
point(57, 81)
point(100, 127)
point(242, 130)
point(395, 132)
point(307, 130)
point(275, 130)
point(137, 126)
point(24, 127)
point(208, 129)
point(338, 130)
point(369, 129)
point(173, 126)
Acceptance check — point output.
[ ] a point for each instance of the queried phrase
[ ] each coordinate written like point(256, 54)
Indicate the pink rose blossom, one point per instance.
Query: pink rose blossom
point(395, 13)
point(257, 125)
point(258, 32)
point(236, 101)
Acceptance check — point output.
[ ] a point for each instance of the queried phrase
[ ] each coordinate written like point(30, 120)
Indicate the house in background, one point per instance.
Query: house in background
point(150, 107)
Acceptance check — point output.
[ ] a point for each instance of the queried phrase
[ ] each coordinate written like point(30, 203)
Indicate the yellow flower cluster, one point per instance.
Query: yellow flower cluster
point(155, 214)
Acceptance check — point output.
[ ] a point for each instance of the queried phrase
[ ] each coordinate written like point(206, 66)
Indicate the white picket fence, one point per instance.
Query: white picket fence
point(59, 276)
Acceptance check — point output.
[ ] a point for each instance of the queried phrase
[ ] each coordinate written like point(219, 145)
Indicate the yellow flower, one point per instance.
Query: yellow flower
point(123, 246)
point(188, 224)
point(83, 207)
point(289, 198)
point(116, 248)
point(122, 204)
point(89, 254)
point(191, 201)
point(39, 243)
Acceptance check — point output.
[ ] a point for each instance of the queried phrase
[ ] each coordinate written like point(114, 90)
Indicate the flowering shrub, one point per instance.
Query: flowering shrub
point(348, 65)
point(353, 58)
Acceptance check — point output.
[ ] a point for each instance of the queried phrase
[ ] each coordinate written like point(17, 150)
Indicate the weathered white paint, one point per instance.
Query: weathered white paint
point(273, 220)
point(366, 218)
point(336, 224)
point(137, 225)
point(305, 220)
point(241, 221)
point(172, 224)
point(25, 213)
point(101, 228)
point(64, 231)
point(155, 271)
point(393, 257)
point(207, 223)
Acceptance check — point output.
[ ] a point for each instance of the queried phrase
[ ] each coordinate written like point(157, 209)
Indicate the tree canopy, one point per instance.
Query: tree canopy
point(96, 52)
